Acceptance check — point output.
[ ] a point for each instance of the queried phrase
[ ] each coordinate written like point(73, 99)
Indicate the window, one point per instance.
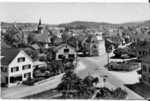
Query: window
point(21, 59)
point(3, 69)
point(148, 79)
point(71, 55)
point(144, 68)
point(66, 50)
point(27, 75)
point(139, 52)
point(144, 77)
point(60, 56)
point(14, 69)
point(94, 46)
point(26, 67)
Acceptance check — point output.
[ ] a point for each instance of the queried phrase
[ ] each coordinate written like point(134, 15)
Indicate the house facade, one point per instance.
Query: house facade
point(146, 70)
point(16, 66)
point(64, 51)
point(95, 45)
point(142, 48)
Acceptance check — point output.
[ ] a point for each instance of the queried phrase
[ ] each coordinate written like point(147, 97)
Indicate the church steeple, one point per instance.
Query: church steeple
point(40, 25)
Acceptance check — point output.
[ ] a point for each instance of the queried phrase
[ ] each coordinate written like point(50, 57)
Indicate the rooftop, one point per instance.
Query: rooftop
point(146, 59)
point(9, 54)
point(61, 46)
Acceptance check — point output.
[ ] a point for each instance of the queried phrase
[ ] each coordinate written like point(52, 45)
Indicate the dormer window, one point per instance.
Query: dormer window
point(21, 59)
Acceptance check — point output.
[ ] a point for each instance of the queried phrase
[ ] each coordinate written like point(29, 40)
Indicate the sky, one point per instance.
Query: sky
point(56, 13)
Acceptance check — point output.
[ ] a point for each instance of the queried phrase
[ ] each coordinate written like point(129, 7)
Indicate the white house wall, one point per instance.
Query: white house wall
point(61, 52)
point(146, 73)
point(15, 63)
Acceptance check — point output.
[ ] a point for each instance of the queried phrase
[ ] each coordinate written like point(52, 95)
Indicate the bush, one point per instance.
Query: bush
point(106, 93)
point(120, 51)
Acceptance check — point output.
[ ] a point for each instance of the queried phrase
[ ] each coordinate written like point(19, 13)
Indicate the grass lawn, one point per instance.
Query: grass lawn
point(42, 95)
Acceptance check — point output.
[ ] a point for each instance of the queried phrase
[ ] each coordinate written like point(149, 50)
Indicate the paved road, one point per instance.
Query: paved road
point(24, 90)
point(95, 66)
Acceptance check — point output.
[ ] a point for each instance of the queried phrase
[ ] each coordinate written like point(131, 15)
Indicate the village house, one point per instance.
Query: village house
point(95, 45)
point(146, 69)
point(16, 66)
point(64, 51)
point(142, 48)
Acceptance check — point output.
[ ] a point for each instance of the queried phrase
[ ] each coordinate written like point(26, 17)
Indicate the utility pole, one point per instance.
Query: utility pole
point(108, 59)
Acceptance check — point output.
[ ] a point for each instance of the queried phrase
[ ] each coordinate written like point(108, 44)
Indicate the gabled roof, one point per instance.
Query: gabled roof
point(143, 45)
point(89, 38)
point(9, 54)
point(146, 59)
point(61, 46)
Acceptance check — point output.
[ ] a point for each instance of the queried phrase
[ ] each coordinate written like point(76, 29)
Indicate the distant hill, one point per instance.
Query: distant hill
point(136, 24)
point(145, 24)
point(87, 24)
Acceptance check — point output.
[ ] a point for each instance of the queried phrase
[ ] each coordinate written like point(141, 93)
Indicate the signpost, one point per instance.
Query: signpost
point(104, 78)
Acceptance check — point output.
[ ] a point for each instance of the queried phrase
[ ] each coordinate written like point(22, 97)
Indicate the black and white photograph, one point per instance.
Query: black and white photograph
point(60, 50)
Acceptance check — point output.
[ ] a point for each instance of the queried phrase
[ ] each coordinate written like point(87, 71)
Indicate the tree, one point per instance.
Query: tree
point(118, 93)
point(14, 37)
point(105, 93)
point(33, 54)
point(31, 38)
point(73, 87)
point(65, 37)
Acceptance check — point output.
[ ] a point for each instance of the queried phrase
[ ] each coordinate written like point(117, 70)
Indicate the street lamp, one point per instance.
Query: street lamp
point(104, 78)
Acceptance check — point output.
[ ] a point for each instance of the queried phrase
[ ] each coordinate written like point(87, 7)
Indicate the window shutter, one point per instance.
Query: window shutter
point(11, 69)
